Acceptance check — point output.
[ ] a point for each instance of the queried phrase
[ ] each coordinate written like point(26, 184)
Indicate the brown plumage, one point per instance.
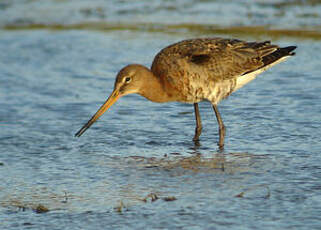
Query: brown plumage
point(194, 70)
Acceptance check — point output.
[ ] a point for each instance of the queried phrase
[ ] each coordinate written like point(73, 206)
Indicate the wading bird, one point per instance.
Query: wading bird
point(194, 70)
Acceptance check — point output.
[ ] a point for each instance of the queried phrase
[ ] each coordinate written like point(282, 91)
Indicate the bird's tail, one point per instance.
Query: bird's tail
point(269, 60)
point(278, 54)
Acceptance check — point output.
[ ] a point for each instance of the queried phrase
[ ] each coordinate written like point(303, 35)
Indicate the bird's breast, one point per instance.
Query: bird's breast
point(194, 87)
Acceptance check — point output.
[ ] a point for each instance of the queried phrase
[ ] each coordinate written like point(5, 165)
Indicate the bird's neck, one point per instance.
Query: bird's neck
point(154, 90)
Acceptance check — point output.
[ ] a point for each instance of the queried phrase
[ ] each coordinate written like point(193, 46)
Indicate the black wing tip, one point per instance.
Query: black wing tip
point(278, 54)
point(289, 50)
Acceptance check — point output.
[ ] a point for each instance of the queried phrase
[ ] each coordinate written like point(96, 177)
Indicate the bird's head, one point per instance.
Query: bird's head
point(130, 79)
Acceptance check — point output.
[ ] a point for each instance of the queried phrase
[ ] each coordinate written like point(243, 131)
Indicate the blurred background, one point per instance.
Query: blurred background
point(247, 17)
point(137, 167)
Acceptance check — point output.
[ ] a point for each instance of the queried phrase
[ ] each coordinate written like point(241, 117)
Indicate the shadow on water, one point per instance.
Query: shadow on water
point(197, 163)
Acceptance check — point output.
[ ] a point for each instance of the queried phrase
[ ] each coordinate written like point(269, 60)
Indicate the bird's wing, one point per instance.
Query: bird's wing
point(219, 59)
point(227, 59)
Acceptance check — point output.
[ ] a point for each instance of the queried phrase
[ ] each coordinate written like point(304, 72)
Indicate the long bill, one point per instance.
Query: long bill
point(108, 103)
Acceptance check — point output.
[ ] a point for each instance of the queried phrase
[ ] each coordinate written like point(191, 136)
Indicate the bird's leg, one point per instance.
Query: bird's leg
point(198, 129)
point(221, 127)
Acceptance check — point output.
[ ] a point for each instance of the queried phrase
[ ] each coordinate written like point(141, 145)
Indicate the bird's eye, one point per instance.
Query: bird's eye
point(127, 79)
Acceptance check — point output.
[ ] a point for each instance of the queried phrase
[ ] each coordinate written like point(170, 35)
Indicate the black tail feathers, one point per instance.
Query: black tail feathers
point(279, 53)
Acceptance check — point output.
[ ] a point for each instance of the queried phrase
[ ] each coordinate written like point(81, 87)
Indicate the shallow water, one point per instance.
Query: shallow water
point(51, 82)
point(276, 13)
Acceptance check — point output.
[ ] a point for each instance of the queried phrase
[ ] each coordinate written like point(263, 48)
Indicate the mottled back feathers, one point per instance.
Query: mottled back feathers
point(184, 65)
point(225, 57)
